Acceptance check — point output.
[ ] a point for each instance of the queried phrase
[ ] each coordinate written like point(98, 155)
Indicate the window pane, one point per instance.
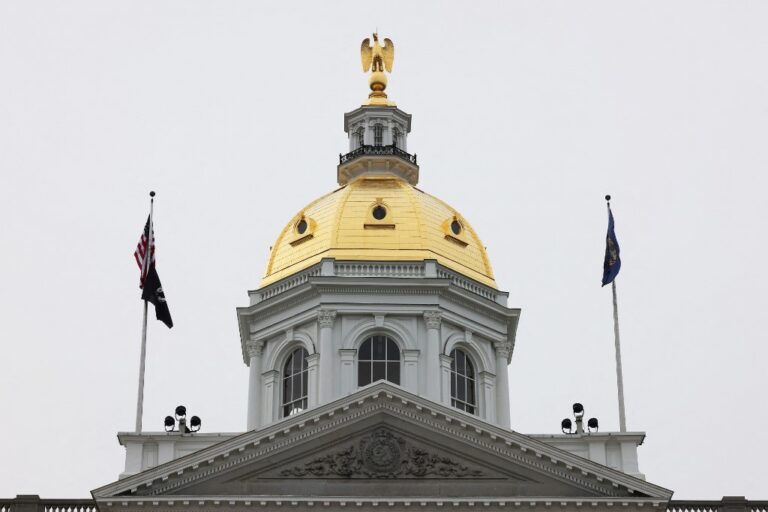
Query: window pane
point(304, 381)
point(471, 391)
point(453, 360)
point(296, 387)
point(304, 356)
point(460, 361)
point(470, 409)
point(393, 372)
point(470, 369)
point(288, 368)
point(379, 348)
point(365, 351)
point(460, 389)
point(453, 385)
point(379, 371)
point(286, 390)
point(393, 353)
point(298, 358)
point(363, 374)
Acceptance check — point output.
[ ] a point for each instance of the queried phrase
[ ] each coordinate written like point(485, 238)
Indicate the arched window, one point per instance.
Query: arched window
point(360, 137)
point(295, 374)
point(462, 382)
point(378, 135)
point(378, 358)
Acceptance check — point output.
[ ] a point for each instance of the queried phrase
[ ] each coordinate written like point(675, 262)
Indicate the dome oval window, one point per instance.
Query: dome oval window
point(379, 212)
point(301, 226)
point(456, 227)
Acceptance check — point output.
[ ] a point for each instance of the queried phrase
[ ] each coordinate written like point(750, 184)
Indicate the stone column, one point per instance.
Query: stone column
point(254, 349)
point(503, 350)
point(326, 378)
point(432, 356)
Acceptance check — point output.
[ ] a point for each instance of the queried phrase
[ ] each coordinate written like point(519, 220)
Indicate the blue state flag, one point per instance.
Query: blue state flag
point(612, 262)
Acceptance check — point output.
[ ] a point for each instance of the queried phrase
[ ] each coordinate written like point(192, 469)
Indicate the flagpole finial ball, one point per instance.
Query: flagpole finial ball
point(151, 193)
point(608, 197)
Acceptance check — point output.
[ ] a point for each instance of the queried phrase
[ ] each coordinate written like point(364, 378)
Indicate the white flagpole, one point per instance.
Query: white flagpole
point(619, 376)
point(147, 261)
point(617, 343)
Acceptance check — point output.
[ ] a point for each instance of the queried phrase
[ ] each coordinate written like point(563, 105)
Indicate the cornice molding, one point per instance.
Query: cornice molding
point(564, 504)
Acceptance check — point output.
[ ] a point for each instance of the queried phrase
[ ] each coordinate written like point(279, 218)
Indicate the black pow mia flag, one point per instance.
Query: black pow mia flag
point(153, 292)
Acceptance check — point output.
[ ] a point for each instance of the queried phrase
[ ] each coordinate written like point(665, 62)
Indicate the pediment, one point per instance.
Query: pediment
point(379, 443)
point(382, 453)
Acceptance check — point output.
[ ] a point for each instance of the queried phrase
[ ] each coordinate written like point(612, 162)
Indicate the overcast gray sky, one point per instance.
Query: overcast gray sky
point(525, 115)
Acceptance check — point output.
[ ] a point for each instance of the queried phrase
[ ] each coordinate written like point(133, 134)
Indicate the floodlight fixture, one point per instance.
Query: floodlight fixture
point(567, 426)
point(181, 412)
point(592, 424)
point(195, 423)
point(578, 410)
point(169, 424)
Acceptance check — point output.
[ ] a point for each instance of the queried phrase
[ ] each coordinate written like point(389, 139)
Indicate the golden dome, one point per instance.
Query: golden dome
point(379, 218)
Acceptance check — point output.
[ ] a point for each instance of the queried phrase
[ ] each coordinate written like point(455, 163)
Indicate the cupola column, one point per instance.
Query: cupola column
point(432, 356)
point(254, 349)
point(326, 380)
point(503, 349)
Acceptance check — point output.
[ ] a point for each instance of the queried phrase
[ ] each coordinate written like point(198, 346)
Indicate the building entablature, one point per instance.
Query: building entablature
point(427, 269)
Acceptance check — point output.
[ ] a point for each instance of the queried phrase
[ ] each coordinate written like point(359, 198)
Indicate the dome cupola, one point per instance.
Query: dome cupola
point(378, 214)
point(377, 280)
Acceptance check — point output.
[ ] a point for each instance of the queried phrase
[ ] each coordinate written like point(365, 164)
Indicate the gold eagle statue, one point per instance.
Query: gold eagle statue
point(377, 57)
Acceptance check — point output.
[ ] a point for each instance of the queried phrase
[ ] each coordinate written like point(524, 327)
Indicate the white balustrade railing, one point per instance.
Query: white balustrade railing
point(379, 269)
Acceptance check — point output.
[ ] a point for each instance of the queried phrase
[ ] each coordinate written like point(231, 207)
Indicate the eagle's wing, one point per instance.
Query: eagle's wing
point(389, 53)
point(366, 54)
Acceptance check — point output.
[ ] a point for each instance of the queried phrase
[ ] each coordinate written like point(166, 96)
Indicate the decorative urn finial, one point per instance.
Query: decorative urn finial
point(376, 59)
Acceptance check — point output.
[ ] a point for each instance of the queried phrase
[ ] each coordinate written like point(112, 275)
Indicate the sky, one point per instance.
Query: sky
point(525, 114)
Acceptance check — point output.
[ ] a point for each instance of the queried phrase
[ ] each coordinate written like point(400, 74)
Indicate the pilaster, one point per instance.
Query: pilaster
point(411, 370)
point(486, 399)
point(313, 362)
point(445, 379)
point(348, 370)
point(271, 383)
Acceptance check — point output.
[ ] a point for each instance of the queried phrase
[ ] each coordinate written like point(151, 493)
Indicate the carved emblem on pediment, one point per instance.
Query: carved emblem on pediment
point(382, 455)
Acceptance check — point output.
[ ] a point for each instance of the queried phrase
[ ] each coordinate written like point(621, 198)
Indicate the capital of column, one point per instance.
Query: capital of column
point(254, 348)
point(325, 317)
point(432, 318)
point(503, 349)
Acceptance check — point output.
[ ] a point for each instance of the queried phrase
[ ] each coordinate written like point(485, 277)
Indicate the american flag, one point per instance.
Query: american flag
point(141, 251)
